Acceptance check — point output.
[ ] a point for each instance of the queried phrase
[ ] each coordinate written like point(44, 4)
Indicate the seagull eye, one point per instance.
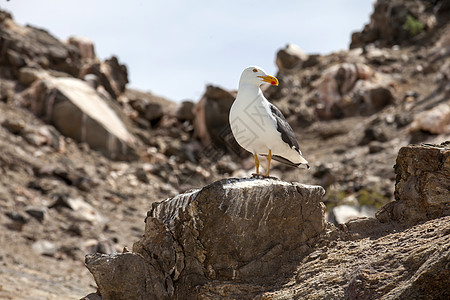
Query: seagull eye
point(254, 70)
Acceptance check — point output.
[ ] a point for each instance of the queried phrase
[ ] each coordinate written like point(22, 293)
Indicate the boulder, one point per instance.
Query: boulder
point(85, 46)
point(211, 124)
point(422, 188)
point(185, 111)
point(148, 106)
point(435, 120)
point(234, 230)
point(289, 57)
point(116, 73)
point(78, 111)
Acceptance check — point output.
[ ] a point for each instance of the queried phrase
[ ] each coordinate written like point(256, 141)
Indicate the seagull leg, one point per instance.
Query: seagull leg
point(256, 163)
point(269, 157)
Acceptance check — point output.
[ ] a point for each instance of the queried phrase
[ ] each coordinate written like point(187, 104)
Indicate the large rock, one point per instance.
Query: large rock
point(149, 107)
point(85, 46)
point(112, 75)
point(422, 189)
point(435, 120)
point(289, 57)
point(211, 124)
point(78, 111)
point(247, 231)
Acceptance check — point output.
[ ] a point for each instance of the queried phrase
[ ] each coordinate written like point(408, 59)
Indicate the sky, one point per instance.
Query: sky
point(175, 48)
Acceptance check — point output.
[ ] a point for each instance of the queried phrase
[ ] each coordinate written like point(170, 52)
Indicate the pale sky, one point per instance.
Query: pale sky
point(175, 48)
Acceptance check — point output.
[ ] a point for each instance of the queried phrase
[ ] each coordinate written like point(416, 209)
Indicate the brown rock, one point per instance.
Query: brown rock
point(435, 120)
point(85, 46)
point(116, 73)
point(422, 189)
point(143, 281)
point(289, 57)
point(78, 111)
point(185, 111)
point(234, 230)
point(211, 124)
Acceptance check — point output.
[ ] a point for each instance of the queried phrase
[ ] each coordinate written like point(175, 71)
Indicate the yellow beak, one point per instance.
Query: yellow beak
point(270, 79)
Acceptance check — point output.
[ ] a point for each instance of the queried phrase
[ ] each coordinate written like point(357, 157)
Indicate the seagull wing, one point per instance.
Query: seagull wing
point(287, 134)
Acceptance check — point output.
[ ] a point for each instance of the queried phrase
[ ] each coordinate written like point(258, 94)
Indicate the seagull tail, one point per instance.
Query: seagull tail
point(290, 163)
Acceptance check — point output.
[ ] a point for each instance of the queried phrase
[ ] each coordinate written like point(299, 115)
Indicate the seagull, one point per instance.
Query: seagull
point(259, 127)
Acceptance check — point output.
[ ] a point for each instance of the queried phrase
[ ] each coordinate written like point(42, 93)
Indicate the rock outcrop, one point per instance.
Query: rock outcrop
point(79, 112)
point(211, 124)
point(246, 231)
point(422, 189)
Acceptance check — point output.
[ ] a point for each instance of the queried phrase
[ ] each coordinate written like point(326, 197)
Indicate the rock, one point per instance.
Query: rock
point(234, 230)
point(29, 75)
point(14, 126)
point(143, 281)
point(77, 111)
point(211, 124)
point(116, 73)
point(435, 120)
point(16, 217)
point(289, 57)
point(84, 45)
point(185, 111)
point(92, 69)
point(43, 135)
point(37, 212)
point(376, 132)
point(44, 247)
point(96, 246)
point(343, 213)
point(82, 210)
point(422, 188)
point(92, 296)
point(375, 147)
point(149, 107)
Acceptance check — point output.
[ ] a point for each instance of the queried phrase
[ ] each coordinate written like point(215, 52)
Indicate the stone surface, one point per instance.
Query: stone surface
point(422, 189)
point(211, 123)
point(79, 112)
point(289, 57)
point(410, 264)
point(435, 120)
point(237, 230)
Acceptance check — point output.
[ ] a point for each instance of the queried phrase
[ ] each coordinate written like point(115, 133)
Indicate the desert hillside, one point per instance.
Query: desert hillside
point(83, 158)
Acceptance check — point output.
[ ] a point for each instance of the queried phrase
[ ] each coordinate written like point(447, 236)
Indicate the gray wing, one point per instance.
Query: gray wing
point(287, 134)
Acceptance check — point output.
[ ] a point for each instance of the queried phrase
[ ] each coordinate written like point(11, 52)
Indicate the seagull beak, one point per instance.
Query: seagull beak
point(270, 79)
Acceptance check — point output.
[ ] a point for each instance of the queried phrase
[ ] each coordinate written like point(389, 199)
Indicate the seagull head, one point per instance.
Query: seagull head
point(256, 76)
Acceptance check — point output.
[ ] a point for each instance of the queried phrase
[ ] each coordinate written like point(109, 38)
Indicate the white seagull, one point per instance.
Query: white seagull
point(259, 127)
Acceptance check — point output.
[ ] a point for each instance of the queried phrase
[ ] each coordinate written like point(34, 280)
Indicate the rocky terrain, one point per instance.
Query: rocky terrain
point(83, 158)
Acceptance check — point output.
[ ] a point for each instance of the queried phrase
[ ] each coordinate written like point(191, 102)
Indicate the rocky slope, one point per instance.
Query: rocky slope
point(82, 157)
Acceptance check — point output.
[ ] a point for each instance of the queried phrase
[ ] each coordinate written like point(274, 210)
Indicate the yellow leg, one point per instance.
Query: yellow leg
point(269, 157)
point(256, 163)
